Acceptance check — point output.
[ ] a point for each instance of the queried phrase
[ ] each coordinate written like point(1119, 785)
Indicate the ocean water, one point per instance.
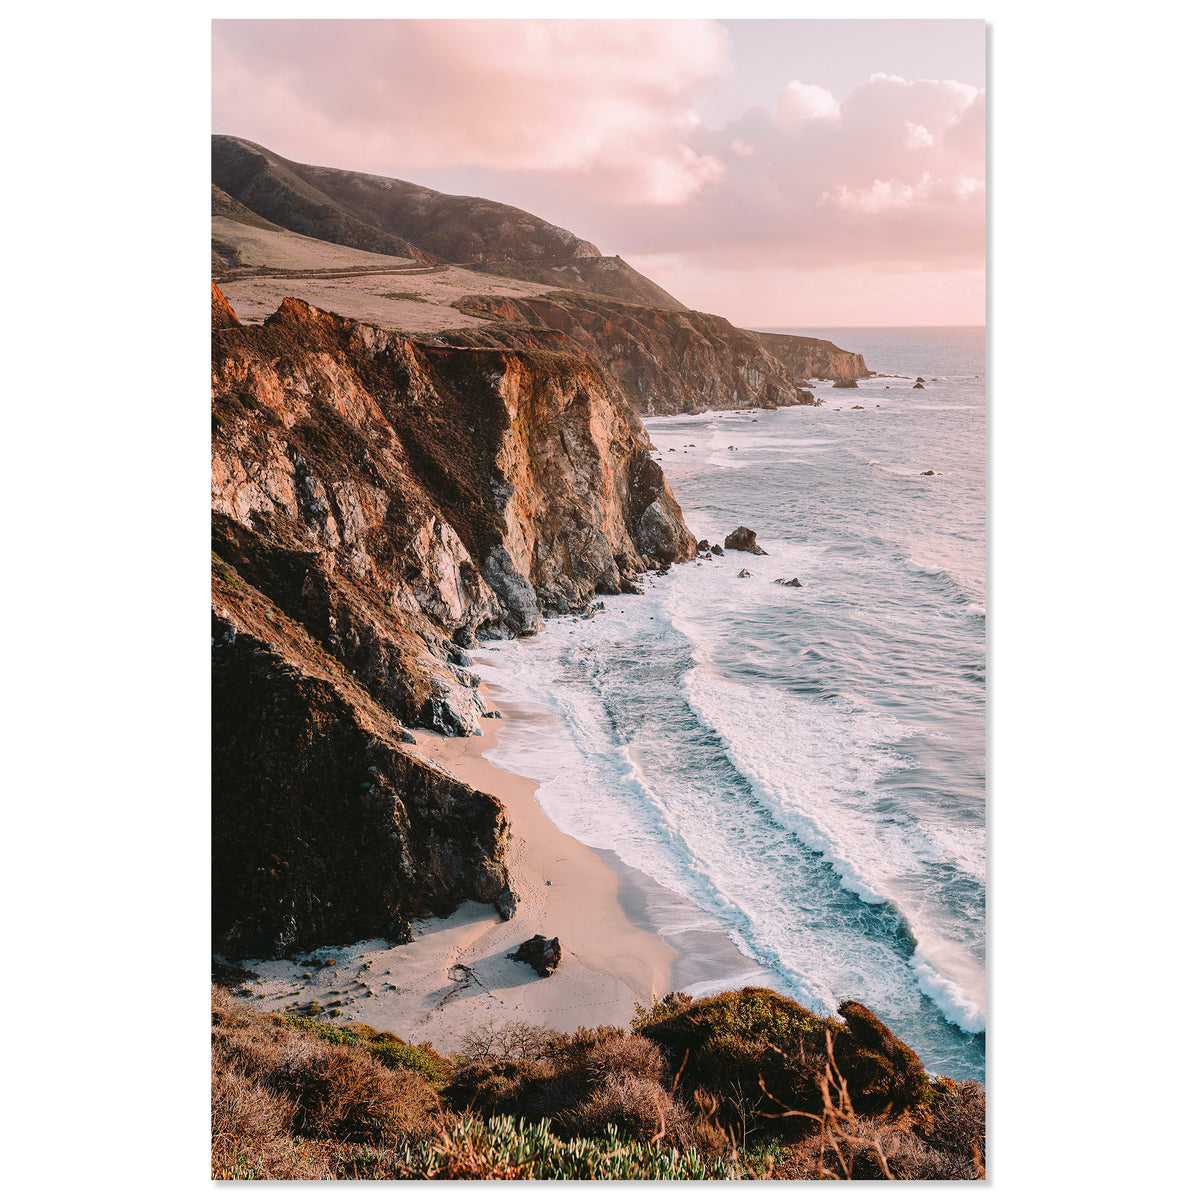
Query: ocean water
point(804, 765)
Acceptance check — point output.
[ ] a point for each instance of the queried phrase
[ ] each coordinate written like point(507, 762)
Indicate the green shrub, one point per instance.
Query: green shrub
point(509, 1148)
point(385, 1048)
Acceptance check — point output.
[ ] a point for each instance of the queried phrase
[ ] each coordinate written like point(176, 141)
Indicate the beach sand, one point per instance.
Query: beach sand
point(456, 977)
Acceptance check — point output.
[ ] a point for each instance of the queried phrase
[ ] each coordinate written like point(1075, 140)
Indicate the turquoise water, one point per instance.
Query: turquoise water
point(805, 764)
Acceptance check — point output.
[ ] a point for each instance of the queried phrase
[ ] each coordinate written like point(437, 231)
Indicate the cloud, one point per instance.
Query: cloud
point(893, 175)
point(610, 103)
point(594, 125)
point(798, 101)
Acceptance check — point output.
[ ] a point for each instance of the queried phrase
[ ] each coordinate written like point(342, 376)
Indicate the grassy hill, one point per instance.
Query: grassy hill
point(392, 216)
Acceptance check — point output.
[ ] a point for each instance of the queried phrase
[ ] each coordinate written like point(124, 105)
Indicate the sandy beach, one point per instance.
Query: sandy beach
point(456, 975)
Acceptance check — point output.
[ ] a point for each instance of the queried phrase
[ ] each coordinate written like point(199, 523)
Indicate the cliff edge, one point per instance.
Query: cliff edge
point(378, 504)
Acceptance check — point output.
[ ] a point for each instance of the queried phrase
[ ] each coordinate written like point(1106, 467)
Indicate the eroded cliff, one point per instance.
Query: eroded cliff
point(664, 361)
point(378, 503)
point(813, 358)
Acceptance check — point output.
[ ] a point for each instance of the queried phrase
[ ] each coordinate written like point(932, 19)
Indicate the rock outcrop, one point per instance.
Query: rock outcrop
point(664, 362)
point(744, 539)
point(813, 358)
point(378, 503)
point(543, 954)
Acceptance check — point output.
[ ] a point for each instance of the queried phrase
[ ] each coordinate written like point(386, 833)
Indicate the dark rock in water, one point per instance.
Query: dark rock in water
point(702, 545)
point(707, 556)
point(718, 551)
point(793, 582)
point(494, 713)
point(542, 954)
point(919, 386)
point(928, 472)
point(859, 407)
point(661, 571)
point(743, 539)
point(506, 904)
point(845, 383)
point(919, 379)
point(743, 574)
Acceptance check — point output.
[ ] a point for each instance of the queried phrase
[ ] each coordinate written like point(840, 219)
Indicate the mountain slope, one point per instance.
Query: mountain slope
point(370, 212)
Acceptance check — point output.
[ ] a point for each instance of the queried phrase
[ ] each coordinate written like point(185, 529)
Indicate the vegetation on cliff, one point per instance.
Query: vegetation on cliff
point(708, 1089)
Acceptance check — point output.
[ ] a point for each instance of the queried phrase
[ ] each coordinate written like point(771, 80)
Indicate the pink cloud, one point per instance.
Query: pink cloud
point(594, 125)
point(609, 101)
point(894, 174)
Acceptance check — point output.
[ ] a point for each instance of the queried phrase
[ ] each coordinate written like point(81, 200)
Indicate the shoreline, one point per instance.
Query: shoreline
point(456, 977)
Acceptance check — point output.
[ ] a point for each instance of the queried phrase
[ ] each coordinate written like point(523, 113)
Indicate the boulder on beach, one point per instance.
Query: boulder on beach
point(702, 545)
point(845, 383)
point(541, 953)
point(919, 386)
point(506, 904)
point(743, 539)
point(717, 550)
point(920, 379)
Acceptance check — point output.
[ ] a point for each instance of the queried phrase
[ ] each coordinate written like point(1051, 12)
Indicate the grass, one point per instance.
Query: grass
point(298, 1098)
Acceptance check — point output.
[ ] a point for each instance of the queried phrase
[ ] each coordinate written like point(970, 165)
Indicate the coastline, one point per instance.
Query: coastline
point(455, 976)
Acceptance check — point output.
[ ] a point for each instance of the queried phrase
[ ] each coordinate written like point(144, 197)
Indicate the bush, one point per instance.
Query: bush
point(385, 1048)
point(509, 1148)
point(304, 1084)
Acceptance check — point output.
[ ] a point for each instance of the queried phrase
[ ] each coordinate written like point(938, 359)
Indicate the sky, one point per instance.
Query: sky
point(795, 173)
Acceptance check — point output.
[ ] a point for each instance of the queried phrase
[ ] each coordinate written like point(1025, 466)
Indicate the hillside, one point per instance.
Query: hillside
point(392, 216)
point(742, 1085)
point(663, 361)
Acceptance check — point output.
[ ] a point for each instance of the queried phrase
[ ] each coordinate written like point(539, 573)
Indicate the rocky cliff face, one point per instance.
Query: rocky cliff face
point(664, 362)
point(377, 504)
point(813, 358)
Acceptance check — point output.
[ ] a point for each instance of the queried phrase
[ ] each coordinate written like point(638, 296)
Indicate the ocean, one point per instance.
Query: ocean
point(805, 766)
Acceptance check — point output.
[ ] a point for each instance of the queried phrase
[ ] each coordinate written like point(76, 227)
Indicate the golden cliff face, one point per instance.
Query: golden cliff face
point(663, 361)
point(379, 503)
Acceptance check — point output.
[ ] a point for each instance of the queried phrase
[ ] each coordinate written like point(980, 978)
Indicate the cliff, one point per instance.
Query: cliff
point(813, 358)
point(377, 504)
point(664, 361)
